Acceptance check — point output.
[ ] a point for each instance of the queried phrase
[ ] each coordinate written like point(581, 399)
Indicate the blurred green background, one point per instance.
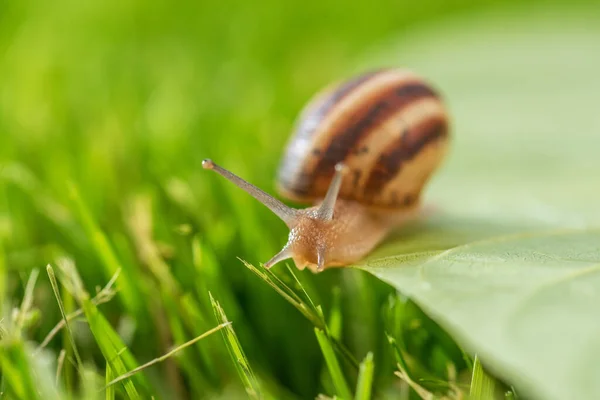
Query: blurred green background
point(106, 112)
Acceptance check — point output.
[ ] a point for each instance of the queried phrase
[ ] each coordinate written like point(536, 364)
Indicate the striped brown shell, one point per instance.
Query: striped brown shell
point(388, 126)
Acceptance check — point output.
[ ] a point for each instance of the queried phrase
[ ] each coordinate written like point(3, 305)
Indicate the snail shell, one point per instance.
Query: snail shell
point(389, 127)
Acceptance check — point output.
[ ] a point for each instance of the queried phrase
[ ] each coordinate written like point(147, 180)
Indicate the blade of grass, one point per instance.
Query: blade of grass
point(335, 317)
point(341, 386)
point(22, 374)
point(140, 223)
point(398, 353)
point(300, 285)
point(139, 219)
point(167, 355)
point(483, 385)
point(411, 368)
point(103, 296)
point(164, 316)
point(60, 362)
point(170, 310)
point(27, 301)
point(199, 371)
point(314, 315)
point(20, 382)
point(109, 393)
point(237, 353)
point(511, 394)
point(210, 276)
point(114, 351)
point(105, 253)
point(3, 332)
point(361, 317)
point(70, 370)
point(26, 377)
point(112, 347)
point(45, 205)
point(91, 385)
point(468, 361)
point(420, 390)
point(285, 292)
point(365, 378)
point(334, 328)
point(55, 289)
point(3, 273)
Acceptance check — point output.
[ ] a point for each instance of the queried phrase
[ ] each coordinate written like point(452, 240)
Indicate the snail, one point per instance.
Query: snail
point(361, 152)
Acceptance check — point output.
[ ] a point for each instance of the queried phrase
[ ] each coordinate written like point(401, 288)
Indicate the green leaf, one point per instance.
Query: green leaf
point(509, 261)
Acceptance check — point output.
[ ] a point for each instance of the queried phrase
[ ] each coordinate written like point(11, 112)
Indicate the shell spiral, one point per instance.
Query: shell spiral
point(389, 127)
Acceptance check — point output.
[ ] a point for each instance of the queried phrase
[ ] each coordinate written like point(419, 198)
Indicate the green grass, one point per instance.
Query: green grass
point(482, 385)
point(106, 111)
point(365, 378)
point(339, 382)
point(237, 354)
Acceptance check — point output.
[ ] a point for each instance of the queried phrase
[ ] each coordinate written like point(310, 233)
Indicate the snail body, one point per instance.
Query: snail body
point(361, 152)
